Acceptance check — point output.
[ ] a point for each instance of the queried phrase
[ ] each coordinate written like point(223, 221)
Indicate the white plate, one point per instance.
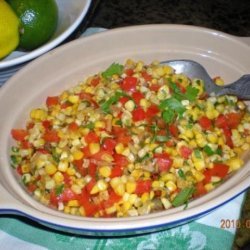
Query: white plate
point(221, 54)
point(71, 13)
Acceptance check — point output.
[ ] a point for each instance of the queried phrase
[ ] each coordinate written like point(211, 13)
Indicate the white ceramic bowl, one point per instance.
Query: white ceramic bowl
point(221, 54)
point(71, 13)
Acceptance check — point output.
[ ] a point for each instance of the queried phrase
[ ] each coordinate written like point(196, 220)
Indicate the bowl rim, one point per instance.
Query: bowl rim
point(50, 45)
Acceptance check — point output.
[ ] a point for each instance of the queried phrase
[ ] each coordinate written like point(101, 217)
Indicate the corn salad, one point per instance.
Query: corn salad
point(129, 141)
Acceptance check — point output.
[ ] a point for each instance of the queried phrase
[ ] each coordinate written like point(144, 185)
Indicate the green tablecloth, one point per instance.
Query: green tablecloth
point(204, 233)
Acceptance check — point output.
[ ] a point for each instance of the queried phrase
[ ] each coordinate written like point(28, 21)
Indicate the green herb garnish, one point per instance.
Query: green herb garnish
point(59, 189)
point(112, 100)
point(181, 174)
point(183, 196)
point(113, 69)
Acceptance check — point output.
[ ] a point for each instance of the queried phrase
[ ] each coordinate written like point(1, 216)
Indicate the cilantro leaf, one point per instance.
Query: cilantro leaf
point(191, 93)
point(114, 68)
point(172, 104)
point(112, 100)
point(208, 150)
point(168, 115)
point(170, 108)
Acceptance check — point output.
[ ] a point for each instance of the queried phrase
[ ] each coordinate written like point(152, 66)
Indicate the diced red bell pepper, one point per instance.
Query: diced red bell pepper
point(129, 72)
point(31, 187)
point(116, 171)
point(73, 126)
point(19, 134)
point(146, 76)
point(112, 199)
point(51, 136)
point(220, 170)
point(221, 121)
point(52, 101)
point(90, 185)
point(109, 144)
point(228, 136)
point(123, 100)
point(205, 123)
point(138, 114)
point(185, 151)
point(152, 111)
point(154, 87)
point(46, 124)
point(92, 137)
point(199, 189)
point(95, 81)
point(129, 84)
point(120, 160)
point(137, 96)
point(89, 207)
point(173, 129)
point(163, 161)
point(143, 186)
point(233, 119)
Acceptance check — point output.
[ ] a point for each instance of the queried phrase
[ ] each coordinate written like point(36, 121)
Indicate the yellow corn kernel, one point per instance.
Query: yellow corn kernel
point(107, 157)
point(105, 171)
point(209, 187)
point(129, 105)
point(157, 184)
point(139, 66)
point(58, 177)
point(90, 90)
point(120, 189)
point(212, 137)
point(50, 169)
point(70, 171)
point(126, 206)
point(145, 197)
point(168, 70)
point(38, 114)
point(111, 210)
point(235, 163)
point(77, 155)
point(73, 99)
point(178, 162)
point(63, 165)
point(137, 173)
point(218, 81)
point(144, 103)
point(130, 187)
point(81, 211)
point(39, 143)
point(171, 186)
point(166, 203)
point(73, 203)
point(198, 175)
point(119, 148)
point(212, 113)
point(94, 148)
point(126, 152)
point(76, 189)
point(66, 210)
point(168, 177)
point(25, 168)
point(199, 164)
point(100, 124)
point(115, 181)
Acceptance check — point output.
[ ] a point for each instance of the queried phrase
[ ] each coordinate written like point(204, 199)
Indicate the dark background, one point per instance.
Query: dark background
point(231, 16)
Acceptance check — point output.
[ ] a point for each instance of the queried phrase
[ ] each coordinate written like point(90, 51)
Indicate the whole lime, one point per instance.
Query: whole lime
point(38, 21)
